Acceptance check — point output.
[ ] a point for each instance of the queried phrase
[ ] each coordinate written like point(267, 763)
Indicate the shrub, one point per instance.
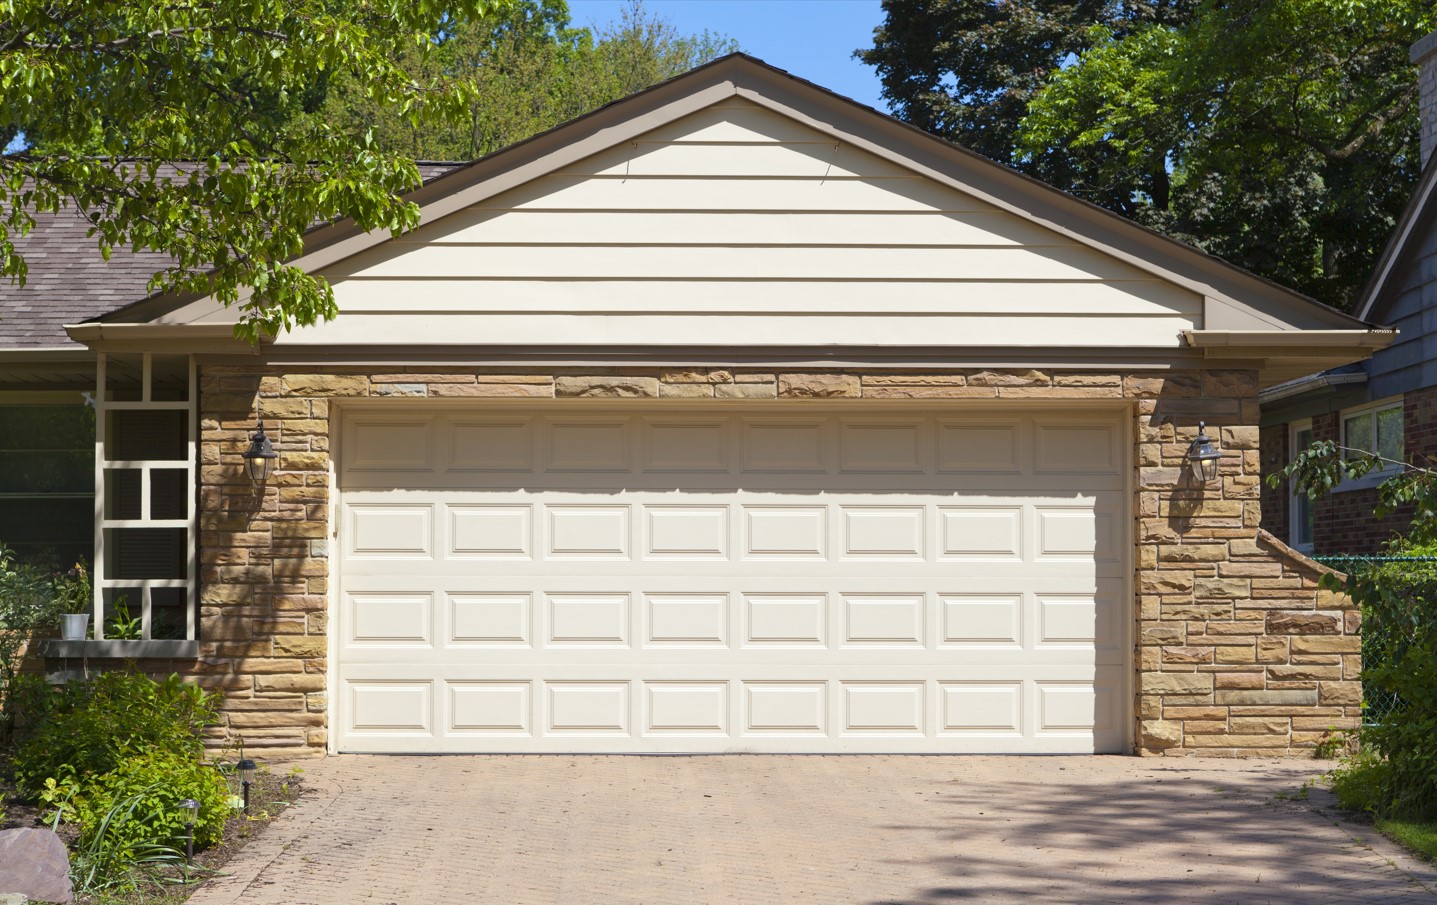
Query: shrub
point(1399, 612)
point(28, 606)
point(135, 803)
point(91, 729)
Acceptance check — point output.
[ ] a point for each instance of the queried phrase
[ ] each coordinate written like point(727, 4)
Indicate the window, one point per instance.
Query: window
point(1377, 429)
point(145, 544)
point(1299, 513)
point(47, 478)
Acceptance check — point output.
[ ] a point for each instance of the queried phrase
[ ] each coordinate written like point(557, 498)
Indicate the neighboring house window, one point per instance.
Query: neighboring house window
point(1375, 428)
point(47, 478)
point(1299, 517)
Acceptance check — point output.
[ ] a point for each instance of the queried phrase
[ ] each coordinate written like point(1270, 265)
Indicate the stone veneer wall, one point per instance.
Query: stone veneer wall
point(1238, 652)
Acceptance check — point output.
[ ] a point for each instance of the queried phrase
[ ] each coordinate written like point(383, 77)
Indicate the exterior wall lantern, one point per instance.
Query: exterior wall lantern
point(1204, 455)
point(259, 458)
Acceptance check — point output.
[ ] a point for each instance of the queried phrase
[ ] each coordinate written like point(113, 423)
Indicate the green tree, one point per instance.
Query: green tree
point(1278, 134)
point(176, 126)
point(534, 70)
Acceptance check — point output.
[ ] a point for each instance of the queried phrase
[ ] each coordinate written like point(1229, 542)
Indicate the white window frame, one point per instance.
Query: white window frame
point(1293, 516)
point(100, 580)
point(1377, 476)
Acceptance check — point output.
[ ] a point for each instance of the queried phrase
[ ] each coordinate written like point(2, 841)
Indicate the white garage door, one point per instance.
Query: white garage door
point(824, 580)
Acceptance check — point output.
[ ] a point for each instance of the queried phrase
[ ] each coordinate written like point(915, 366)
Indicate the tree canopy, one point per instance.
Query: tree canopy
point(1278, 134)
point(533, 70)
point(219, 133)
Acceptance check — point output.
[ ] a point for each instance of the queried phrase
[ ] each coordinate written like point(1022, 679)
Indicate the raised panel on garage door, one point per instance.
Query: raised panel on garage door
point(604, 578)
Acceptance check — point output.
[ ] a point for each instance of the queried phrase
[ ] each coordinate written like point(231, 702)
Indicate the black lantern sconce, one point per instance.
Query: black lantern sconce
point(259, 458)
point(1204, 455)
point(246, 769)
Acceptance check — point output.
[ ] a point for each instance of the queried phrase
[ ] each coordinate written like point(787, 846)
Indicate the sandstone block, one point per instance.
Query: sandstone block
point(1280, 698)
point(746, 391)
point(1009, 379)
point(1195, 553)
point(1343, 644)
point(614, 387)
point(1280, 623)
point(819, 386)
point(299, 646)
point(289, 682)
point(1187, 655)
point(1177, 683)
point(492, 390)
point(686, 390)
point(1210, 588)
point(325, 385)
point(1331, 693)
point(1161, 733)
point(914, 380)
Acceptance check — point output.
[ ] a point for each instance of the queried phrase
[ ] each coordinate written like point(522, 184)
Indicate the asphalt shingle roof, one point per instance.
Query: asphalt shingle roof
point(69, 282)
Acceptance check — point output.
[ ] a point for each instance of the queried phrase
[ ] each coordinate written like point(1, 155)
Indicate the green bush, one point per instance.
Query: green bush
point(157, 781)
point(90, 729)
point(29, 605)
point(1399, 613)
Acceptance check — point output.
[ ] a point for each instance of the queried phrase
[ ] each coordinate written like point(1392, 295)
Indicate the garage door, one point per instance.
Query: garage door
point(669, 580)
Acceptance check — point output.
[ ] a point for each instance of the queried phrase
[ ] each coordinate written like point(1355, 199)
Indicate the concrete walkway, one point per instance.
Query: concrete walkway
point(778, 830)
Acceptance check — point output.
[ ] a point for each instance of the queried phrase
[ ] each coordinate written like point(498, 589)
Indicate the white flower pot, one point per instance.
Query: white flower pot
point(75, 626)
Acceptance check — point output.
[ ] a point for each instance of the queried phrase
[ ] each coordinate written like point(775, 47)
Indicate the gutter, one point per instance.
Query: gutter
point(145, 337)
point(1293, 342)
point(1307, 384)
point(46, 354)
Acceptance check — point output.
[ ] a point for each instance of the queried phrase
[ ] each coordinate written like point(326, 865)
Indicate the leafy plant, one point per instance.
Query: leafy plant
point(89, 729)
point(103, 862)
point(147, 788)
point(28, 608)
point(122, 626)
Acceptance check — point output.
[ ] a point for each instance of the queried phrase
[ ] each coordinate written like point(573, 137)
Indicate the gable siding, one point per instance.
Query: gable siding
point(737, 226)
point(1410, 363)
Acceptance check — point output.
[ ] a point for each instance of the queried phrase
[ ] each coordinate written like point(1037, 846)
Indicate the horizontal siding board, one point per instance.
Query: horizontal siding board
point(878, 329)
point(737, 121)
point(1122, 299)
point(711, 194)
point(717, 262)
point(477, 226)
point(809, 159)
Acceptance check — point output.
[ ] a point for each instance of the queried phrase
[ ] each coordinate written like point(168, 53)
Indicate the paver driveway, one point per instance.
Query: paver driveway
point(745, 829)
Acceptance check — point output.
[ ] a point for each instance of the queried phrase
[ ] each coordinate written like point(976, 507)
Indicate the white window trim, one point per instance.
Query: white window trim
point(1293, 429)
point(1373, 478)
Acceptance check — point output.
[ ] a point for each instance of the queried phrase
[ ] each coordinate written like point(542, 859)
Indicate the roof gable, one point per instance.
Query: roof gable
point(817, 128)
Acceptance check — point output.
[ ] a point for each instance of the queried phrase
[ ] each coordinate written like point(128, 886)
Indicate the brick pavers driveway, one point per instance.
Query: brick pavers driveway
point(748, 829)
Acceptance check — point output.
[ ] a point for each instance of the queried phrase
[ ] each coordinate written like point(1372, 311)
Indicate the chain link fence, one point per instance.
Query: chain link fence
point(1380, 641)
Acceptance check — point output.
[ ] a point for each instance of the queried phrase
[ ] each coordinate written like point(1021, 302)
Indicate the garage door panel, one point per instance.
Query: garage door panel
point(681, 581)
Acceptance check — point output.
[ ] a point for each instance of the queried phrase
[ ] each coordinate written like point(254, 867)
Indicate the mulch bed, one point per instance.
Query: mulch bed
point(272, 792)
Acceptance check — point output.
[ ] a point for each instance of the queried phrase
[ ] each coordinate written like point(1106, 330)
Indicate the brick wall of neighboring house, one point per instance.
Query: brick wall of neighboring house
point(1276, 513)
point(1237, 650)
point(1343, 522)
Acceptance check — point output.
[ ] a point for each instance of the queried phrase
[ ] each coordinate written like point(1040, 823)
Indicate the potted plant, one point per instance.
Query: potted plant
point(73, 595)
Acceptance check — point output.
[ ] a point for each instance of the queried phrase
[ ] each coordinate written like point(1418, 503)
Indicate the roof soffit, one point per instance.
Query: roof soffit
point(1238, 299)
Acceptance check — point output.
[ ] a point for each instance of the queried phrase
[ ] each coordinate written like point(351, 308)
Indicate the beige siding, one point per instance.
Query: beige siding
point(739, 226)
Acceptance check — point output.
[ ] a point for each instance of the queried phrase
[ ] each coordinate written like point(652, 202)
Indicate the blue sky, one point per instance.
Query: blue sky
point(813, 39)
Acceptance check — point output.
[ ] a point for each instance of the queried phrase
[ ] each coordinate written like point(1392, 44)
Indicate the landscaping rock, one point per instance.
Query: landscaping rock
point(34, 863)
point(13, 898)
